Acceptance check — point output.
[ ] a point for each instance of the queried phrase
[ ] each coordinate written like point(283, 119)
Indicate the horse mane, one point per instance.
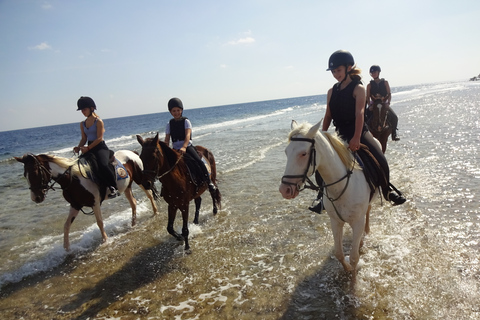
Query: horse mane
point(335, 141)
point(170, 155)
point(78, 168)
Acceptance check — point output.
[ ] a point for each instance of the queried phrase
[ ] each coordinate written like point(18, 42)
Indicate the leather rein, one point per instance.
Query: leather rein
point(323, 189)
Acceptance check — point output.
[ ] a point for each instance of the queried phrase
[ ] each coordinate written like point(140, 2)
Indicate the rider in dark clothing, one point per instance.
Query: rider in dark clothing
point(345, 107)
point(180, 130)
point(380, 88)
point(92, 130)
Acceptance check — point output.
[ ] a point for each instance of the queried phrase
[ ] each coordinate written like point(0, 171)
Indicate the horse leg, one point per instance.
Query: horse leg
point(214, 201)
point(185, 231)
point(172, 211)
point(98, 216)
point(198, 203)
point(133, 204)
point(149, 194)
point(358, 229)
point(337, 230)
point(66, 228)
point(367, 220)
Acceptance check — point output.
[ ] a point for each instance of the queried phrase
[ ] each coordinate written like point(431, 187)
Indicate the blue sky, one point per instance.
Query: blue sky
point(132, 56)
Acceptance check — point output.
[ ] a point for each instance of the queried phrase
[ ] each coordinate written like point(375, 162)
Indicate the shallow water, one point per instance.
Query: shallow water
point(263, 257)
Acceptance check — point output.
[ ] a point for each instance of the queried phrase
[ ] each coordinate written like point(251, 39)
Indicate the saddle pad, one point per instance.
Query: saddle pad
point(120, 170)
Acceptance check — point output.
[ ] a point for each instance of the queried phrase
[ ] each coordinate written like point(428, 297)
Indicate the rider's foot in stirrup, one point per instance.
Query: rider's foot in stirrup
point(395, 137)
point(317, 208)
point(113, 192)
point(396, 199)
point(211, 187)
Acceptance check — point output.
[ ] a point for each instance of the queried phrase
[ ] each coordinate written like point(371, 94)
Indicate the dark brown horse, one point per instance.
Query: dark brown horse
point(379, 125)
point(178, 187)
point(78, 189)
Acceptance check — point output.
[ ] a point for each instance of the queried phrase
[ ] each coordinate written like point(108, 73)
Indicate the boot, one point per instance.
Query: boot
point(211, 187)
point(394, 135)
point(113, 192)
point(318, 208)
point(396, 199)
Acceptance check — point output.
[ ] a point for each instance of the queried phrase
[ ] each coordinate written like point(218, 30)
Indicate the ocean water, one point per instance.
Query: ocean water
point(261, 256)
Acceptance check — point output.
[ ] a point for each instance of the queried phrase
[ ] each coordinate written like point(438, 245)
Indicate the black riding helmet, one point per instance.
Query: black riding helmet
point(375, 68)
point(175, 102)
point(85, 102)
point(340, 58)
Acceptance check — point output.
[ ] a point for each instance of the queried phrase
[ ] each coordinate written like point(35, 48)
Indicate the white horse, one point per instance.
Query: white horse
point(78, 189)
point(346, 191)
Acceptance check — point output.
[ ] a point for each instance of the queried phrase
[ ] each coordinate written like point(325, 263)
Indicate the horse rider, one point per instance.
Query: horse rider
point(345, 108)
point(379, 88)
point(180, 130)
point(92, 130)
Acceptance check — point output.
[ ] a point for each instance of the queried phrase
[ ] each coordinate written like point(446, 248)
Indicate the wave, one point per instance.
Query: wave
point(232, 123)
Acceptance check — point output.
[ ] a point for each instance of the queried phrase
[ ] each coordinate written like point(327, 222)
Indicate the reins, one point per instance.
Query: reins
point(311, 185)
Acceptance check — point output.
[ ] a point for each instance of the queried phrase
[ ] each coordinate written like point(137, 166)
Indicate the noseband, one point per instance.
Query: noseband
point(311, 161)
point(45, 176)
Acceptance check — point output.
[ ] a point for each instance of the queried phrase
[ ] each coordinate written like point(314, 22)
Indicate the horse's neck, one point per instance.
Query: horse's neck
point(56, 170)
point(329, 164)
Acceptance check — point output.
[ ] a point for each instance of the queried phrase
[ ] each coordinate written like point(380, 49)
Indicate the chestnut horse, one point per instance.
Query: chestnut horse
point(79, 190)
point(346, 191)
point(378, 124)
point(178, 188)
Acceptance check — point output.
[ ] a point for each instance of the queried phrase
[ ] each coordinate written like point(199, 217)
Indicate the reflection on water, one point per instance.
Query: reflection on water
point(263, 257)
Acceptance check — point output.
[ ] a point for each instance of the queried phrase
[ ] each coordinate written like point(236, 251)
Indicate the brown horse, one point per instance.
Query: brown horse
point(178, 187)
point(379, 125)
point(78, 188)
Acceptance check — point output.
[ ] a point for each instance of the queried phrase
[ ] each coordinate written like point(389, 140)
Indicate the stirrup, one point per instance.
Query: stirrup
point(318, 208)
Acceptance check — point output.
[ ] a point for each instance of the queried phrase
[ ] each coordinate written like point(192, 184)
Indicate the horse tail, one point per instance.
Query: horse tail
point(218, 198)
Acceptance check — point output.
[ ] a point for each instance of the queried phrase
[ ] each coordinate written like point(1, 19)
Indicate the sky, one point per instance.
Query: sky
point(131, 57)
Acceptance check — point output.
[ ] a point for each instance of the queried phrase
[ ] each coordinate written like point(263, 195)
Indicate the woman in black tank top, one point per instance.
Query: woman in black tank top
point(345, 107)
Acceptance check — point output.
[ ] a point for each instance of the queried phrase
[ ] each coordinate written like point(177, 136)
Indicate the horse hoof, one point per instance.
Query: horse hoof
point(188, 251)
point(215, 210)
point(195, 221)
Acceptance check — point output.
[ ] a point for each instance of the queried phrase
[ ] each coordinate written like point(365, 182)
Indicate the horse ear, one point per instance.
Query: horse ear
point(20, 159)
point(140, 139)
point(156, 138)
point(294, 124)
point(313, 130)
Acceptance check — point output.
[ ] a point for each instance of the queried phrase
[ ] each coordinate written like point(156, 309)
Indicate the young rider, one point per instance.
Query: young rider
point(92, 130)
point(180, 130)
point(345, 107)
point(380, 87)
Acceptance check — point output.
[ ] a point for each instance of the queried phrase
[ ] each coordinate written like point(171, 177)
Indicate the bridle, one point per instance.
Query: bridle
point(311, 162)
point(323, 189)
point(154, 173)
point(46, 177)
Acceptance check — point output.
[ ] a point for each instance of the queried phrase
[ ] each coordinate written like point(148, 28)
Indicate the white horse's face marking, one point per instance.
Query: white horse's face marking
point(298, 162)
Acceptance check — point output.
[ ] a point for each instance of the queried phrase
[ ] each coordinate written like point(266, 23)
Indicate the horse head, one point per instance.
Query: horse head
point(151, 158)
point(300, 159)
point(38, 174)
point(379, 119)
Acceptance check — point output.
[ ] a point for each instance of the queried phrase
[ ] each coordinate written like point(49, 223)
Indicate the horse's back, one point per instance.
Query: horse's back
point(125, 156)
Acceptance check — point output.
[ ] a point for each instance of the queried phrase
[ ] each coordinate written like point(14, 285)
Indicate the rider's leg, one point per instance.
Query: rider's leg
point(317, 206)
point(206, 177)
point(106, 170)
point(393, 120)
point(376, 151)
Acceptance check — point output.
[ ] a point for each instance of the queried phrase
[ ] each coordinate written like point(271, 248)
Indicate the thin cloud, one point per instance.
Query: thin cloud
point(246, 40)
point(47, 6)
point(41, 46)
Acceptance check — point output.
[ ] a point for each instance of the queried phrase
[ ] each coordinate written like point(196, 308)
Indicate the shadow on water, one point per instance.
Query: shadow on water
point(329, 293)
point(144, 268)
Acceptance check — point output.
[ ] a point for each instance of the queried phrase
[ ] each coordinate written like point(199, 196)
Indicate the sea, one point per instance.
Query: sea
point(261, 256)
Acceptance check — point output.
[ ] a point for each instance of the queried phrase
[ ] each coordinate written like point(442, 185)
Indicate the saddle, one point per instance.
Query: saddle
point(195, 170)
point(117, 166)
point(372, 170)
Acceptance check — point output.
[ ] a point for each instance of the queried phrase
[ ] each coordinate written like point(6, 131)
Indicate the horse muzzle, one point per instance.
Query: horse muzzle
point(288, 191)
